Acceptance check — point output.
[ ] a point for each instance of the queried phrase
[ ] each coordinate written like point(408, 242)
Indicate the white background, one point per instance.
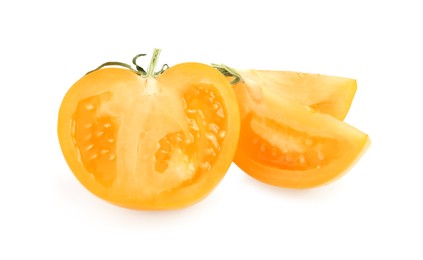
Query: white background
point(373, 212)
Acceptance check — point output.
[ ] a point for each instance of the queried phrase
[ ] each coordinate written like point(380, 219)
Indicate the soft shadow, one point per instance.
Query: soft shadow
point(78, 198)
point(324, 191)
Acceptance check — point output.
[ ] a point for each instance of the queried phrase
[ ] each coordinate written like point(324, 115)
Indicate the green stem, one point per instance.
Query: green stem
point(138, 69)
point(115, 63)
point(153, 62)
point(228, 72)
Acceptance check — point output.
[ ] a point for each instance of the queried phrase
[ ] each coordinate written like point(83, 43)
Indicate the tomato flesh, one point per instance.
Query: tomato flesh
point(327, 94)
point(150, 143)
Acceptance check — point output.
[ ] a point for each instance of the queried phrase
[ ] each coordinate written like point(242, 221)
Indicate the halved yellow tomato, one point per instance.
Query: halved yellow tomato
point(147, 142)
point(327, 94)
point(285, 141)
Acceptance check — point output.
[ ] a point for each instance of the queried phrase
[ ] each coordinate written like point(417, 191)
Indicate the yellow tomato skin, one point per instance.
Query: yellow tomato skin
point(288, 144)
point(150, 143)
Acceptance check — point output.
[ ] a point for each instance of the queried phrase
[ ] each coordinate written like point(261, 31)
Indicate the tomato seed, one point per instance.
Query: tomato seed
point(99, 133)
point(89, 107)
point(309, 142)
point(104, 151)
point(222, 133)
point(320, 155)
point(302, 159)
point(89, 147)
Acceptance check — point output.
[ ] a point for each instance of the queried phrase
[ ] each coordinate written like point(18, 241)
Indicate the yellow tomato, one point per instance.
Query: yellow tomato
point(286, 144)
point(150, 141)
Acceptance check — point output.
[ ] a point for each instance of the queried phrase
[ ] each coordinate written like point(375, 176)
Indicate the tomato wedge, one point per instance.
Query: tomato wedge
point(291, 130)
point(286, 144)
point(327, 94)
point(149, 142)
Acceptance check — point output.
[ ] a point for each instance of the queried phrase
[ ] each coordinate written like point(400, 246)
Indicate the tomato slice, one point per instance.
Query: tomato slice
point(327, 94)
point(288, 144)
point(150, 143)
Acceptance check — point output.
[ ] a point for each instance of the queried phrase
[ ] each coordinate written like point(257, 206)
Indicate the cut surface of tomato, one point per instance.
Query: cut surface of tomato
point(327, 94)
point(150, 143)
point(288, 144)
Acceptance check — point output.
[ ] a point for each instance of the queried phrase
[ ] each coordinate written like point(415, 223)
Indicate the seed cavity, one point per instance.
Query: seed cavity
point(201, 141)
point(93, 128)
point(295, 149)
